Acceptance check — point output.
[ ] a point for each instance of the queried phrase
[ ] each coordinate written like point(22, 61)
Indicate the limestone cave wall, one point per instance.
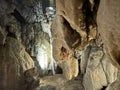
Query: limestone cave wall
point(75, 49)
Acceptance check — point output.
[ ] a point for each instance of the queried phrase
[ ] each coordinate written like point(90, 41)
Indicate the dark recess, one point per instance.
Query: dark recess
point(45, 3)
point(10, 34)
point(90, 14)
point(58, 70)
point(103, 88)
point(18, 16)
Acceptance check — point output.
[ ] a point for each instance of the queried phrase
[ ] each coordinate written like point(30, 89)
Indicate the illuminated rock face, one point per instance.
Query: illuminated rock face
point(71, 31)
point(42, 57)
point(66, 38)
point(109, 27)
point(65, 27)
point(74, 27)
point(94, 64)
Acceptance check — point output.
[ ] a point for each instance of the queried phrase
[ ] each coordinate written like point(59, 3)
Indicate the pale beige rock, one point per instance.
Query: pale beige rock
point(94, 78)
point(57, 80)
point(63, 45)
point(116, 84)
point(109, 69)
point(99, 71)
point(108, 26)
point(14, 61)
point(70, 68)
point(60, 82)
point(75, 20)
point(84, 60)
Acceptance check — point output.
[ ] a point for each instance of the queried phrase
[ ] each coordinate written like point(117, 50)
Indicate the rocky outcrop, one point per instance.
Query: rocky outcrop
point(108, 26)
point(99, 72)
point(64, 24)
point(14, 60)
point(116, 84)
point(28, 10)
point(75, 29)
point(25, 32)
point(109, 30)
point(65, 37)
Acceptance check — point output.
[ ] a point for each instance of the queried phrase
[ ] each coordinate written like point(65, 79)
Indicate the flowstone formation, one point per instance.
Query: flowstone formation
point(73, 30)
point(77, 36)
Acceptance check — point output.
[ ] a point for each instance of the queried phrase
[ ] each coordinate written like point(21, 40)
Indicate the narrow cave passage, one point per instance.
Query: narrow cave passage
point(59, 44)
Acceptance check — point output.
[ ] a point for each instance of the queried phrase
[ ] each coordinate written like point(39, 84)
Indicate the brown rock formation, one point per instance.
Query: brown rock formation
point(65, 23)
point(108, 26)
point(78, 19)
point(72, 28)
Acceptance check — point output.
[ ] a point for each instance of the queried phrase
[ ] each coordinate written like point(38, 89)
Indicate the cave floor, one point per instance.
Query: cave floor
point(57, 82)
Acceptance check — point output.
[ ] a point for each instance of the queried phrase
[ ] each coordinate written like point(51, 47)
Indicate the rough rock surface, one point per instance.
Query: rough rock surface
point(14, 58)
point(14, 61)
point(82, 30)
point(59, 82)
point(23, 34)
point(65, 36)
point(26, 33)
point(72, 29)
point(108, 26)
point(99, 72)
point(116, 84)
